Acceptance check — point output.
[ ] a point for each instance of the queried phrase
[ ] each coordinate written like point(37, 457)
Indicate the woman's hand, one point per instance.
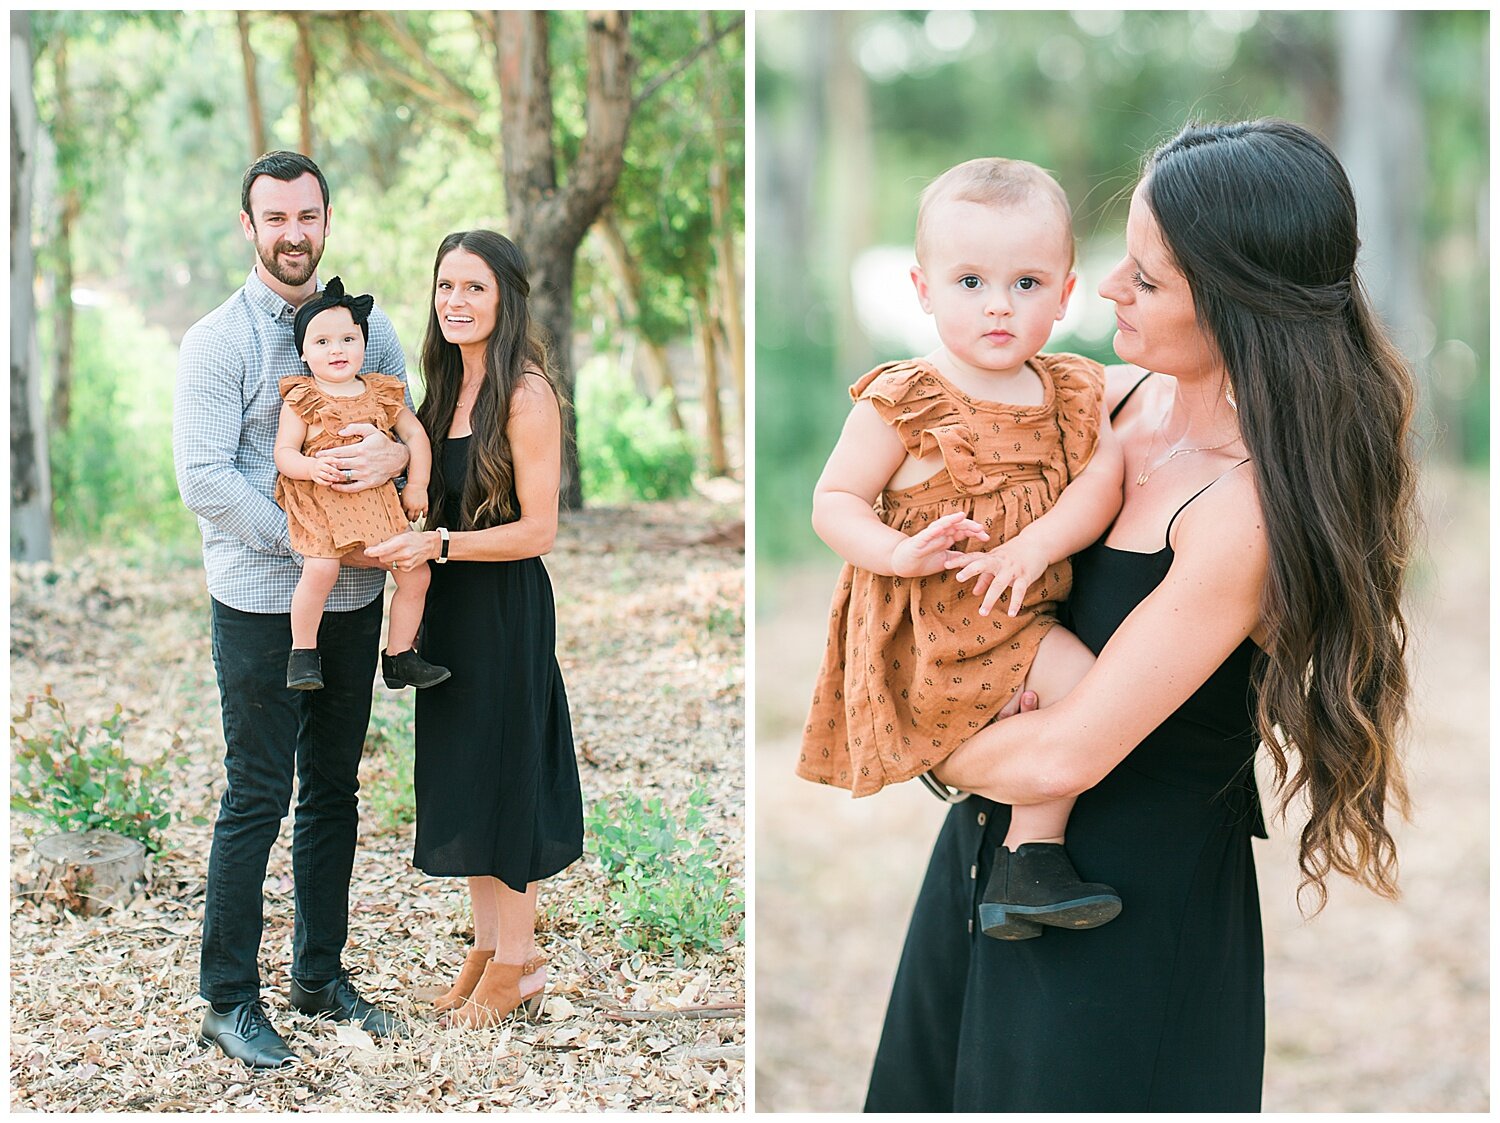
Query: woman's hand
point(373, 460)
point(1013, 565)
point(931, 550)
point(406, 551)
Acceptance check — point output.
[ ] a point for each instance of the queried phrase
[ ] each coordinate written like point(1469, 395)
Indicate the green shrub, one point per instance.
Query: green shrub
point(391, 742)
point(74, 778)
point(669, 893)
point(112, 474)
point(627, 448)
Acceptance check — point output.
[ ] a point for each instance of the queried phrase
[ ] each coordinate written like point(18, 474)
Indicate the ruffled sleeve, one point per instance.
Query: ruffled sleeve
point(910, 398)
point(1079, 385)
point(301, 393)
point(390, 392)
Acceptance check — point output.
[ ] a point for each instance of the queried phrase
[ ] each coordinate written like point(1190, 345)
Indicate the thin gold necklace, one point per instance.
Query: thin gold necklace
point(1171, 456)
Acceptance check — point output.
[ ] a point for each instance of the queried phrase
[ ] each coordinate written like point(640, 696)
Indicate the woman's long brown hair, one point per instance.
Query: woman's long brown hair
point(515, 346)
point(1260, 218)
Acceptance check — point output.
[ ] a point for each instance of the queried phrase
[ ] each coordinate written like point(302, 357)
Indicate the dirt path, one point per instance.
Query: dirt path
point(1370, 1007)
point(104, 1012)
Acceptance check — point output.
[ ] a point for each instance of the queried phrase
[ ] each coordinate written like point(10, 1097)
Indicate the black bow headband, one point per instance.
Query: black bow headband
point(333, 296)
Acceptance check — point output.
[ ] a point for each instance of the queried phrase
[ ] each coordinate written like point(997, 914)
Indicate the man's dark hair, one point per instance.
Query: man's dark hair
point(285, 166)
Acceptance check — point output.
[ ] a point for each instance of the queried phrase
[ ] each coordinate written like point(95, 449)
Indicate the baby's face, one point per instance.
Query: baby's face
point(995, 278)
point(333, 347)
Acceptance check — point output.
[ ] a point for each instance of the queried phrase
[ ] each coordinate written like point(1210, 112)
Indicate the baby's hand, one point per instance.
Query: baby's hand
point(1011, 565)
point(414, 501)
point(931, 550)
point(326, 472)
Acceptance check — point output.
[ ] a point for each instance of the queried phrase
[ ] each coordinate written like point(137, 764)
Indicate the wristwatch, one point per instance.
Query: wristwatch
point(442, 558)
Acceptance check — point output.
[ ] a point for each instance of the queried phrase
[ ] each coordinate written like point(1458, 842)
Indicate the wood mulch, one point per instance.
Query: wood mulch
point(105, 1012)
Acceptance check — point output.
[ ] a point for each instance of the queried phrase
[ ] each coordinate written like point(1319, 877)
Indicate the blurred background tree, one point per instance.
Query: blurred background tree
point(630, 134)
point(857, 111)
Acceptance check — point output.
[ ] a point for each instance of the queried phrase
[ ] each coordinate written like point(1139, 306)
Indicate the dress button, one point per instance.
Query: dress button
point(973, 873)
point(981, 818)
point(971, 925)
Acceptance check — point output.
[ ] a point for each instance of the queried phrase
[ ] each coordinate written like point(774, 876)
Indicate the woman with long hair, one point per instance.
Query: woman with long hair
point(1249, 592)
point(496, 779)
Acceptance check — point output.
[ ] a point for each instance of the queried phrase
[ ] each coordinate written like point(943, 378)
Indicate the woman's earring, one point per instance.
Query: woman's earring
point(1229, 397)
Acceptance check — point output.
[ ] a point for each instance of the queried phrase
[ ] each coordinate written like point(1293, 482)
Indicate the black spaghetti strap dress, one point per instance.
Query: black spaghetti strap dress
point(496, 778)
point(1162, 1009)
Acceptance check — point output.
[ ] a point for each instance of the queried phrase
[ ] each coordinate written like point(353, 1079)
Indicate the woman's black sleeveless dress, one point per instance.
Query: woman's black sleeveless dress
point(496, 779)
point(1163, 1008)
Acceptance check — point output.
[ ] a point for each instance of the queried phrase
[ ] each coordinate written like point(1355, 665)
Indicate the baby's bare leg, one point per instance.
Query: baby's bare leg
point(308, 599)
point(1061, 662)
point(407, 604)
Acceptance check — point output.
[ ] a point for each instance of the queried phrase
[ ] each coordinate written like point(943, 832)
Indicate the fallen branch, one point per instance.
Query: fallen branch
point(707, 1053)
point(719, 1010)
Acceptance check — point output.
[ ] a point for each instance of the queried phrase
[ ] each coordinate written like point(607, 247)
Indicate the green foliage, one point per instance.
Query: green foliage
point(112, 474)
point(669, 893)
point(391, 741)
point(77, 778)
point(147, 113)
point(1086, 94)
point(627, 446)
point(663, 198)
point(727, 619)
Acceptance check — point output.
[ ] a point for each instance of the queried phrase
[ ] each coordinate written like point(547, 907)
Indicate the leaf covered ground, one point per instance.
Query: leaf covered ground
point(104, 1011)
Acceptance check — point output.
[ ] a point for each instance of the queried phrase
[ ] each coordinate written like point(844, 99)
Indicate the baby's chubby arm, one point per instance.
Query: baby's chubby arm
point(862, 463)
point(1081, 514)
point(419, 468)
point(291, 431)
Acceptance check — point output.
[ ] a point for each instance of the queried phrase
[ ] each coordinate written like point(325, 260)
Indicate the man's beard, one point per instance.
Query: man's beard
point(283, 271)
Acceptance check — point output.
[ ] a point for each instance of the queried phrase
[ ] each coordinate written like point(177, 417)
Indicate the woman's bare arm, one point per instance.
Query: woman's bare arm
point(1208, 603)
point(535, 431)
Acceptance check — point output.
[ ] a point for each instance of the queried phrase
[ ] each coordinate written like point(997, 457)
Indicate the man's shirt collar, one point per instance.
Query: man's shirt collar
point(262, 296)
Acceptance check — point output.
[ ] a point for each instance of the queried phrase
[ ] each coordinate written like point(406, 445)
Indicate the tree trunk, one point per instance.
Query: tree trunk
point(30, 479)
point(713, 419)
point(62, 309)
point(546, 221)
point(1380, 142)
point(304, 82)
point(86, 872)
point(850, 158)
point(62, 314)
point(252, 89)
point(653, 355)
point(727, 277)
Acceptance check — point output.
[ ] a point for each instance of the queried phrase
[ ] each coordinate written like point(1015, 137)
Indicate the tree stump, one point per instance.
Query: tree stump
point(86, 872)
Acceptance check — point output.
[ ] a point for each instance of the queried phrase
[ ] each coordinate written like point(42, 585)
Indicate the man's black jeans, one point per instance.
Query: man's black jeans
point(270, 731)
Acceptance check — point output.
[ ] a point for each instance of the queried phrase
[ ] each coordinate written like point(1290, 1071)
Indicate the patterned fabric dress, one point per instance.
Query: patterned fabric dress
point(324, 523)
point(912, 670)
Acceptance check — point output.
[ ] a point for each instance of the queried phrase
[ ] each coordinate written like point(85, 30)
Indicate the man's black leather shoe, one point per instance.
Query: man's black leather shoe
point(339, 1001)
point(246, 1034)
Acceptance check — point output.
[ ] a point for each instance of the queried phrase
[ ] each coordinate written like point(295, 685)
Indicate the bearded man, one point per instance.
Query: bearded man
point(224, 423)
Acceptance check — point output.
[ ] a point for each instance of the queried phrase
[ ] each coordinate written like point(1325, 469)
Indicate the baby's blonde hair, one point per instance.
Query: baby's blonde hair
point(993, 181)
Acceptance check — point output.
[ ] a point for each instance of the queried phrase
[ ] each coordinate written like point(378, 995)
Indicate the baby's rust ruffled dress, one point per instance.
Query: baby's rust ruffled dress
point(911, 669)
point(321, 522)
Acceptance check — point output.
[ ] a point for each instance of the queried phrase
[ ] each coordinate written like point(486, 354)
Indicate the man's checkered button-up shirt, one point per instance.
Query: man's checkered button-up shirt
point(224, 418)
